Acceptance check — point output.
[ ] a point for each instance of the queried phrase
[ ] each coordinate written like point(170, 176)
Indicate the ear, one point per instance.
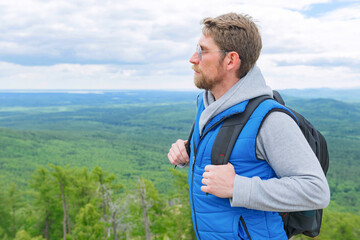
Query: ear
point(233, 61)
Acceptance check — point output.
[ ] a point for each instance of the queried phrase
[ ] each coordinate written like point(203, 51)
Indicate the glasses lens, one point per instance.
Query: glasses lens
point(198, 50)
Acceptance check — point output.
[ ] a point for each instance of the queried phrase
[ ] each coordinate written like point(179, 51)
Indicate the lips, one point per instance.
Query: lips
point(195, 69)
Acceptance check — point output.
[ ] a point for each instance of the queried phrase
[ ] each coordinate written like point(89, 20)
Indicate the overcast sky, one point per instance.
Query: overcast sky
point(146, 44)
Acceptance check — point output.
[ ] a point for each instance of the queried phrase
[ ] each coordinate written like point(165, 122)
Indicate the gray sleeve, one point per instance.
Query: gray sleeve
point(301, 183)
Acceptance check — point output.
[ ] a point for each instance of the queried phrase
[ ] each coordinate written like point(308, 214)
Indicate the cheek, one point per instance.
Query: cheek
point(205, 68)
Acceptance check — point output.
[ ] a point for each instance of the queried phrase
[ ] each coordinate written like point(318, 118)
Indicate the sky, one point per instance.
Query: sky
point(146, 44)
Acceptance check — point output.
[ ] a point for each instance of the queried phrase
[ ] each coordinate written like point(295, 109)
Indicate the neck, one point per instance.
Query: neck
point(220, 89)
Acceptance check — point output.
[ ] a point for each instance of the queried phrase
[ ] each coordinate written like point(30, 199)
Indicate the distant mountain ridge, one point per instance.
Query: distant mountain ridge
point(351, 95)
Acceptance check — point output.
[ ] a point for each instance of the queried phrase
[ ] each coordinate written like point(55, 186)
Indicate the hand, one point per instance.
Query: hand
point(219, 180)
point(177, 153)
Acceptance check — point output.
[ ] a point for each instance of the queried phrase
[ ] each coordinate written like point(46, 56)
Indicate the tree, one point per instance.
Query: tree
point(46, 202)
point(23, 235)
point(88, 225)
point(62, 178)
point(103, 180)
point(118, 207)
point(83, 188)
point(179, 209)
point(147, 211)
point(15, 202)
point(146, 204)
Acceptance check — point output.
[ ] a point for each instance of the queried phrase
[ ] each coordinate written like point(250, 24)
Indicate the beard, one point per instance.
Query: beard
point(205, 82)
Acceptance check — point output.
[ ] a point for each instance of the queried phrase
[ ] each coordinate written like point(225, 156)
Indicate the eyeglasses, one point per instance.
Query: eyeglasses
point(200, 52)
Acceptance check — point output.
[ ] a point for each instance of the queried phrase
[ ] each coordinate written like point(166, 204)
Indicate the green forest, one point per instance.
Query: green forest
point(94, 165)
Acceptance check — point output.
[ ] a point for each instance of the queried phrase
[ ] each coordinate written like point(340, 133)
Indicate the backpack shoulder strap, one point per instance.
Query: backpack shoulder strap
point(278, 98)
point(187, 144)
point(230, 130)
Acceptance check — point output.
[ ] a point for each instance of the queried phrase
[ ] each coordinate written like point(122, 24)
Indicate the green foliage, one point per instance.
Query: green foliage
point(48, 143)
point(180, 209)
point(22, 235)
point(47, 203)
point(340, 226)
point(108, 136)
point(146, 209)
point(88, 224)
point(5, 216)
point(101, 211)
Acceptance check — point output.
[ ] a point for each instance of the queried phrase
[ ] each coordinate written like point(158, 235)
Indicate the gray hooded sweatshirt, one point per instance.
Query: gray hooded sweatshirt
point(302, 184)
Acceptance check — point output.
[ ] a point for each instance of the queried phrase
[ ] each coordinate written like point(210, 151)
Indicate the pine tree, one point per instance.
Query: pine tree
point(46, 202)
point(62, 178)
point(15, 202)
point(104, 181)
point(88, 224)
point(114, 207)
point(118, 207)
point(179, 209)
point(146, 204)
point(147, 211)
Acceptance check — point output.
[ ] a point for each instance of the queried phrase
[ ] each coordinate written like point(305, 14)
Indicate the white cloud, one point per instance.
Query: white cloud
point(307, 76)
point(147, 44)
point(82, 76)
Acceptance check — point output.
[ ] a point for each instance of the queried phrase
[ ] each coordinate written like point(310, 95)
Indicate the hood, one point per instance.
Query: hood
point(250, 86)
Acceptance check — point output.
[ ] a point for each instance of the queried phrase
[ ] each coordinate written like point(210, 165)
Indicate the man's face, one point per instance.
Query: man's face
point(209, 70)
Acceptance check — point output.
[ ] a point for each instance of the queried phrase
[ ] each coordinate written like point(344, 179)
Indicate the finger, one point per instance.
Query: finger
point(182, 149)
point(205, 189)
point(230, 167)
point(205, 181)
point(176, 147)
point(175, 154)
point(208, 168)
point(171, 159)
point(206, 175)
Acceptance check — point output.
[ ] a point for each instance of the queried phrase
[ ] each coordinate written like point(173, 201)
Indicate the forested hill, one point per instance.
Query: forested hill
point(90, 98)
point(125, 132)
point(128, 134)
point(348, 95)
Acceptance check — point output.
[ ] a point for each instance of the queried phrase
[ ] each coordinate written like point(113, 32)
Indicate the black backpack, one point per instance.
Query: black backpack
point(305, 222)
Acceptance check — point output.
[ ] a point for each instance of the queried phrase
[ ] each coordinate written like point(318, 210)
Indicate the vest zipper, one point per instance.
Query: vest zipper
point(245, 227)
point(192, 185)
point(193, 166)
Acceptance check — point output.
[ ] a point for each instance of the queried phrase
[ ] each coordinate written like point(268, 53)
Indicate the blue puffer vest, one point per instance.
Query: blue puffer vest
point(213, 217)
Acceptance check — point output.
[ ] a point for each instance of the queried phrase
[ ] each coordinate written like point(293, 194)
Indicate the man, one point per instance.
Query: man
point(272, 167)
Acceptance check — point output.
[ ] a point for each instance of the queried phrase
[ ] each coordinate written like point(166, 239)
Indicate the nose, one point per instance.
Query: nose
point(194, 58)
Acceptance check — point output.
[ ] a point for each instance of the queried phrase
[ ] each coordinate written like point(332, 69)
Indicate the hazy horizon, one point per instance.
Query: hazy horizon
point(170, 89)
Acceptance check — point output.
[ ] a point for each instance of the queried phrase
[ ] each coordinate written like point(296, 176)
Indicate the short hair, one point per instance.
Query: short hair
point(236, 32)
